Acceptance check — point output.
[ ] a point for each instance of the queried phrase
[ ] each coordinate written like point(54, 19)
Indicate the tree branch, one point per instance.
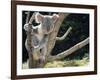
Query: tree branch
point(70, 50)
point(32, 18)
point(27, 17)
point(65, 35)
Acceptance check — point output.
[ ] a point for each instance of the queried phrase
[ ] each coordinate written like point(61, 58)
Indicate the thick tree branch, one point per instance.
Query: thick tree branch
point(65, 35)
point(70, 50)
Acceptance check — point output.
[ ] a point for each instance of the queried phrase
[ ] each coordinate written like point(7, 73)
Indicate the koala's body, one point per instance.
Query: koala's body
point(39, 38)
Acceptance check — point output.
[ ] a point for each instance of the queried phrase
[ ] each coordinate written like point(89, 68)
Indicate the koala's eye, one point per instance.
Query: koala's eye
point(36, 24)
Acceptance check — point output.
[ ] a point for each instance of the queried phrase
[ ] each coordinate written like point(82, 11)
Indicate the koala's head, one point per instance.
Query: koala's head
point(47, 22)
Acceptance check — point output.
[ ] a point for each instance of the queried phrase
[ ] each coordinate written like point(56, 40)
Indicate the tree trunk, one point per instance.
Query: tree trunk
point(53, 35)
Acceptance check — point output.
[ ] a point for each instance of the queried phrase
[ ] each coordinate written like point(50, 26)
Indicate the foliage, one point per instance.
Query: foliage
point(68, 63)
point(64, 63)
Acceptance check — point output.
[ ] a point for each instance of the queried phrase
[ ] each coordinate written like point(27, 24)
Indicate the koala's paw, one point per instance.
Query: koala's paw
point(37, 46)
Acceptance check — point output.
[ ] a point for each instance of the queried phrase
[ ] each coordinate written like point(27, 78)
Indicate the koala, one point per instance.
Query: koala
point(39, 38)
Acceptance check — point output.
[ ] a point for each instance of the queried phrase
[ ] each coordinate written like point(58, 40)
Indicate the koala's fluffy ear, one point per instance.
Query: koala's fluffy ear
point(38, 17)
point(55, 17)
point(26, 27)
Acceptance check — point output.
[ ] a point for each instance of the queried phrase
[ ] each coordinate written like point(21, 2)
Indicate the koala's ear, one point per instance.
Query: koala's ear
point(38, 17)
point(55, 17)
point(26, 27)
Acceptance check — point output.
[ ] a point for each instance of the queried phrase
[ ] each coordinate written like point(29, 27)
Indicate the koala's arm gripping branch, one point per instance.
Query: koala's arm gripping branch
point(70, 50)
point(65, 35)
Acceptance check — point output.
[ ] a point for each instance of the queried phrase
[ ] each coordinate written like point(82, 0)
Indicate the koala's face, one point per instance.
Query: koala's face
point(47, 22)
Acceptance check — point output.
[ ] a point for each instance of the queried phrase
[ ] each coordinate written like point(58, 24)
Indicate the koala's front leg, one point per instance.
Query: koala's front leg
point(43, 53)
